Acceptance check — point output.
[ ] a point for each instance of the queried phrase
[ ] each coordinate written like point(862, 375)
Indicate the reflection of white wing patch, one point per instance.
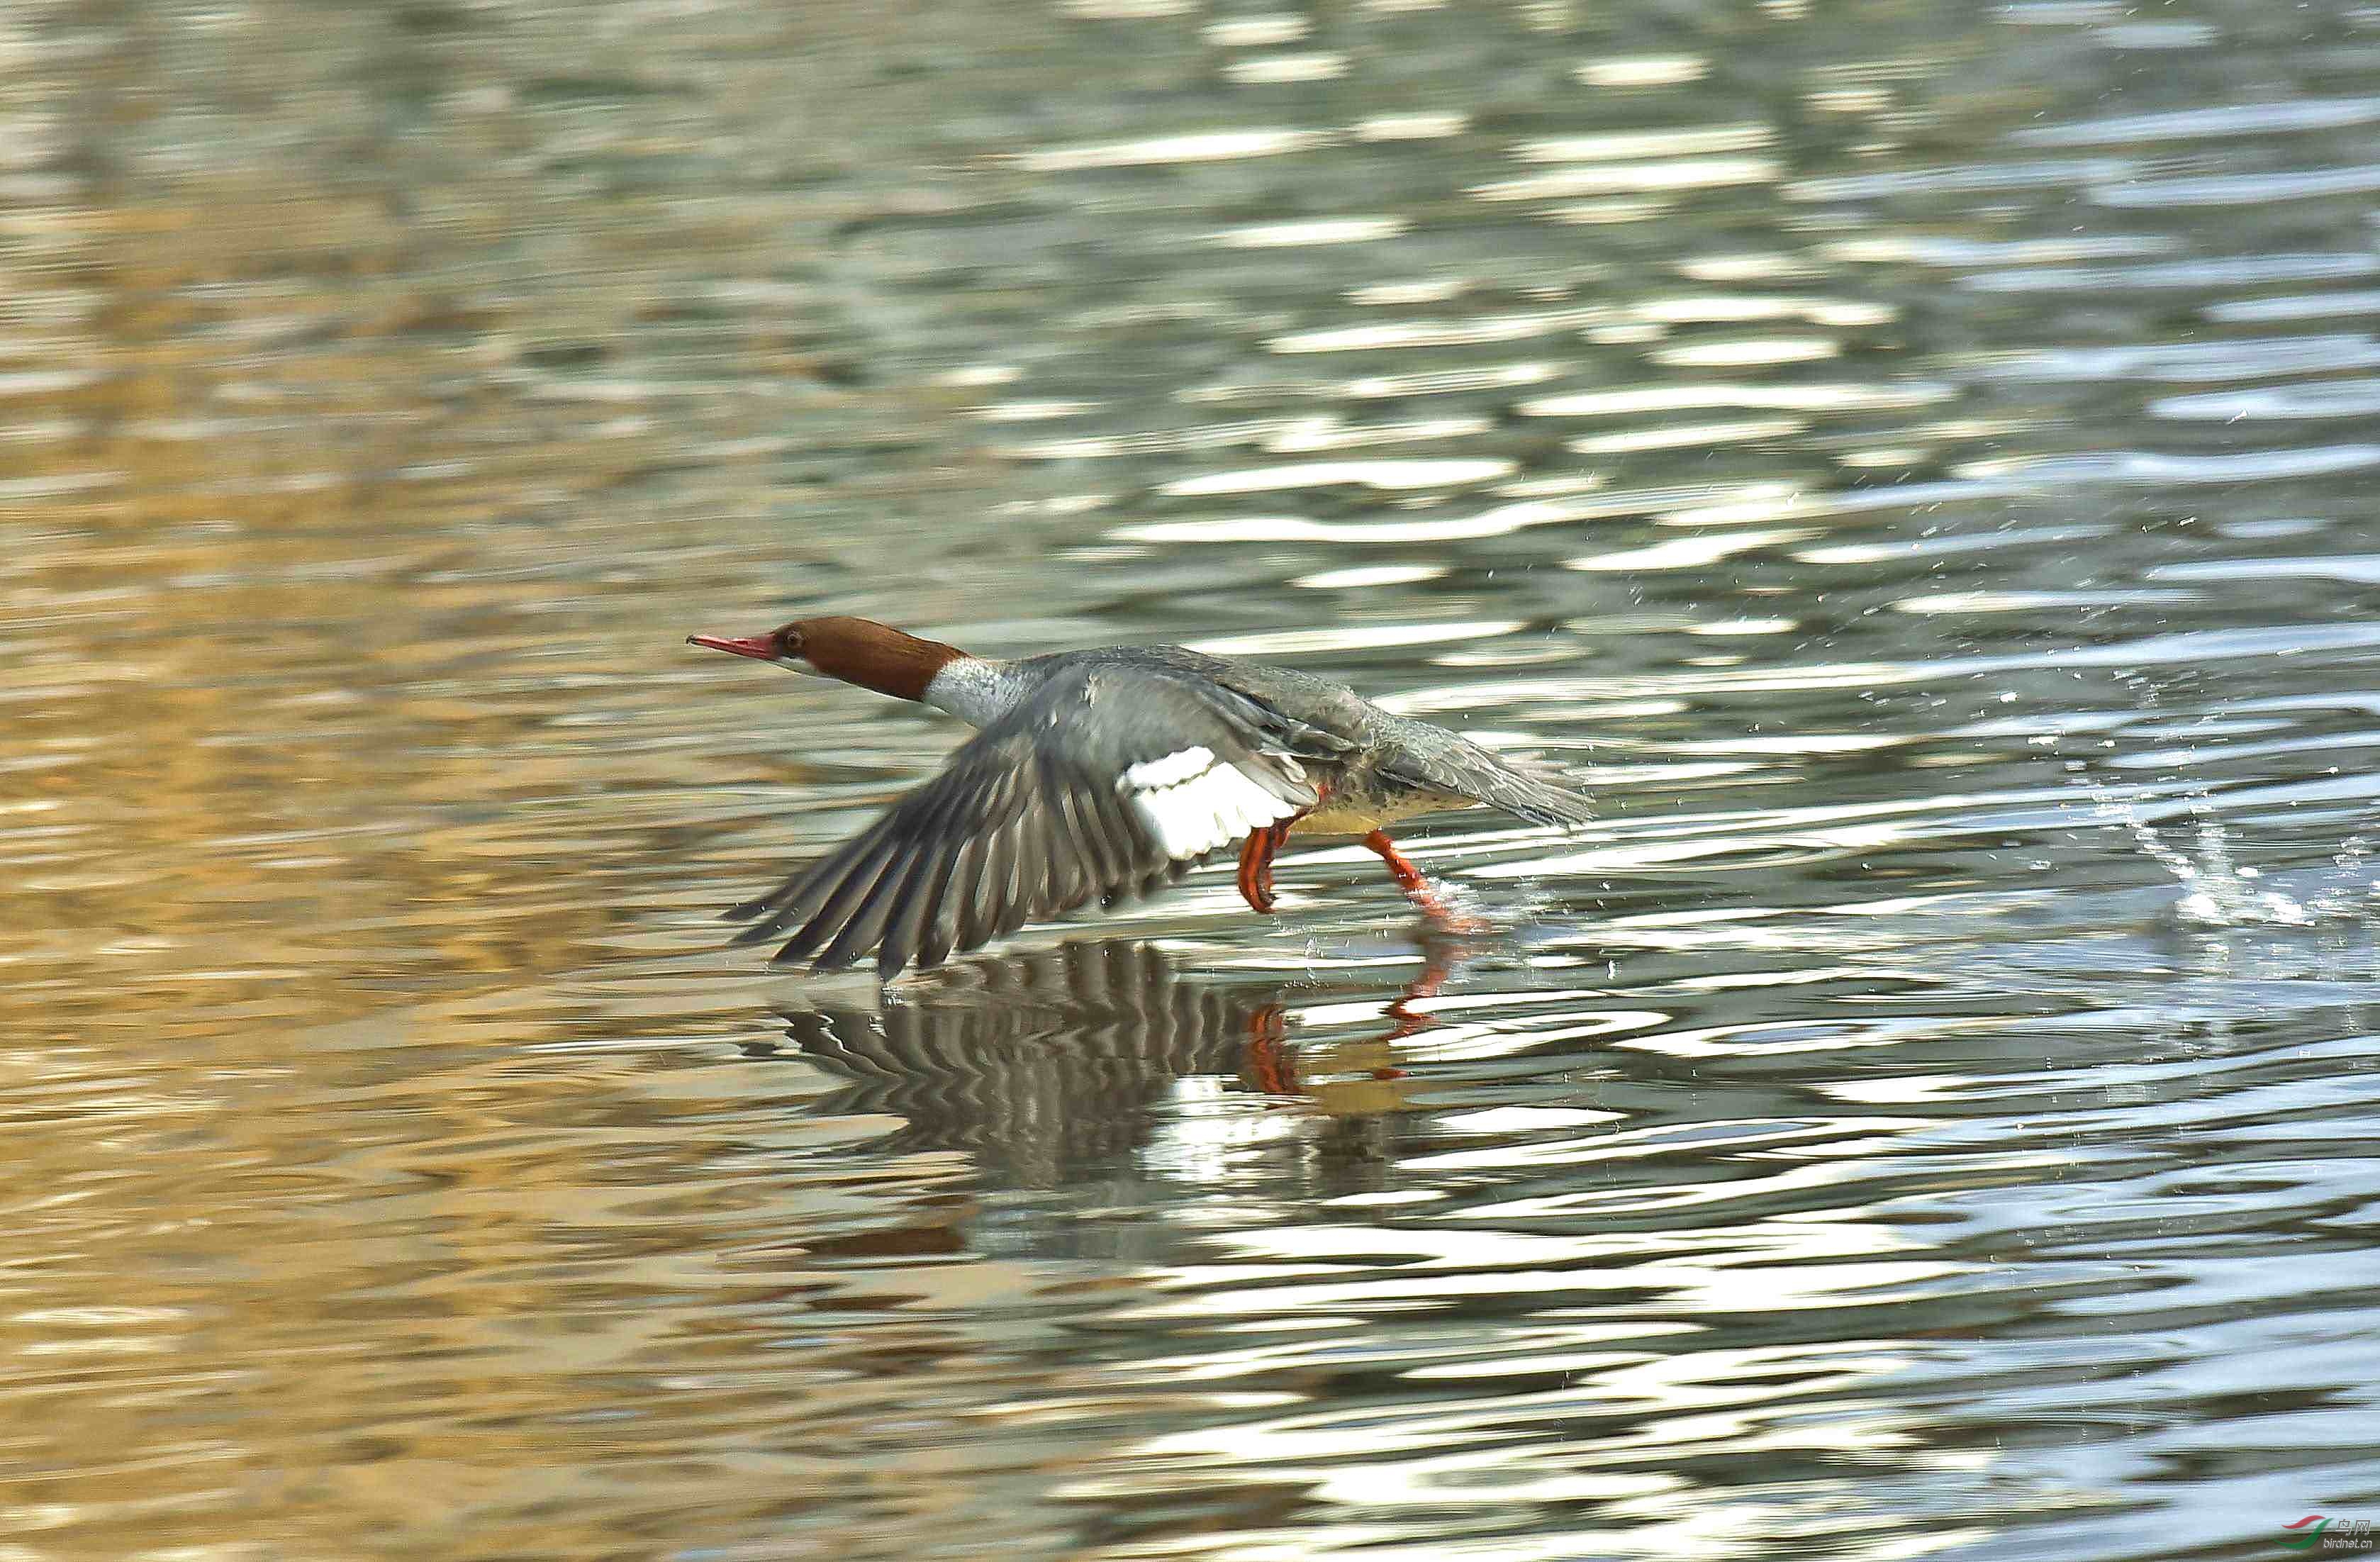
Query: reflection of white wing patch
point(1193, 805)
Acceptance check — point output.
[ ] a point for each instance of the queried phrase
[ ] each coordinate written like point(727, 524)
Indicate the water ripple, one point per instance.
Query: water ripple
point(1925, 1111)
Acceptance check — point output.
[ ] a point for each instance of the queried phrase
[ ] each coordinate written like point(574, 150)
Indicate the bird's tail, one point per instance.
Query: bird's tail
point(1539, 800)
point(1431, 755)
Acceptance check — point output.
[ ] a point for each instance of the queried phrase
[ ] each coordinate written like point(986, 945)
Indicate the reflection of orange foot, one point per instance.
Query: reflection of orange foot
point(1412, 1021)
point(1270, 1064)
point(1430, 899)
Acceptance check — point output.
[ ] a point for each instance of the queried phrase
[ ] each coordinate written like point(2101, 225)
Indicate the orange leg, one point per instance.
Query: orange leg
point(1256, 864)
point(1418, 889)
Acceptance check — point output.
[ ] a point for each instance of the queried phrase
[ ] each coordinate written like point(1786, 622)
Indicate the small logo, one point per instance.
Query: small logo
point(2316, 1532)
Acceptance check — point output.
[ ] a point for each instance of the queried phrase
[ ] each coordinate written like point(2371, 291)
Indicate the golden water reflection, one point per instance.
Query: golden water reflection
point(1866, 442)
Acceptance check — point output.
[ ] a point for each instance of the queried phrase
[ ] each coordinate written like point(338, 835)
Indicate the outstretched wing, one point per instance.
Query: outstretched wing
point(1106, 781)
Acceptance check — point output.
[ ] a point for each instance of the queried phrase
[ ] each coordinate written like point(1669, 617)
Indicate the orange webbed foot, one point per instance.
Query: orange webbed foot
point(1432, 900)
point(1255, 865)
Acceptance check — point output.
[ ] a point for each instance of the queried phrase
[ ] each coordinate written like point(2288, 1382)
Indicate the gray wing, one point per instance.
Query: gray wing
point(1423, 755)
point(1044, 809)
point(1332, 719)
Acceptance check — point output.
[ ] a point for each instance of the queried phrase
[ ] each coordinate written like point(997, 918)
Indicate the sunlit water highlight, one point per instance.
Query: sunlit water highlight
point(1909, 459)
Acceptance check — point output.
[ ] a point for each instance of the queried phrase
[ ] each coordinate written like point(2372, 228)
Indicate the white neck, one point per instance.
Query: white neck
point(975, 690)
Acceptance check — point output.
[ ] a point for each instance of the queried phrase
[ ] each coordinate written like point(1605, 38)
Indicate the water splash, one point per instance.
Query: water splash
point(2218, 891)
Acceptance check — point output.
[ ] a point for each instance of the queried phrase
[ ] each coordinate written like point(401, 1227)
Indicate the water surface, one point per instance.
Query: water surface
point(1913, 461)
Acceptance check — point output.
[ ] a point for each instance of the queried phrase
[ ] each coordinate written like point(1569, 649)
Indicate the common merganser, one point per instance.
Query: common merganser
point(1105, 773)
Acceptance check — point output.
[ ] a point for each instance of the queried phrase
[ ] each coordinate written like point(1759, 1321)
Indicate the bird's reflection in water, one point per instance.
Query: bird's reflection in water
point(1050, 1066)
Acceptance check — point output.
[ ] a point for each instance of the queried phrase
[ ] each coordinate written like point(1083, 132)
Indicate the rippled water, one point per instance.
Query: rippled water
point(1913, 460)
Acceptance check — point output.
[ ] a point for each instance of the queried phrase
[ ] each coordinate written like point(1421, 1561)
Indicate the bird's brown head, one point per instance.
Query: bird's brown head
point(859, 650)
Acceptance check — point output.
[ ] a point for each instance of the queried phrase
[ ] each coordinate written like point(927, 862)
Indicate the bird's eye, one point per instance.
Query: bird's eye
point(789, 644)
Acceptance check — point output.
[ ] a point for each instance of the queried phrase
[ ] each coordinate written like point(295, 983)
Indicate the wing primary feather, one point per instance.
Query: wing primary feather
point(988, 885)
point(1003, 865)
point(1072, 869)
point(884, 915)
point(1125, 855)
point(1131, 853)
point(1021, 889)
point(1137, 852)
point(1030, 880)
point(799, 895)
point(941, 935)
point(1079, 845)
point(778, 919)
point(816, 879)
point(853, 887)
point(864, 926)
point(956, 879)
point(1060, 867)
point(912, 906)
point(943, 833)
point(757, 932)
point(1119, 868)
point(970, 886)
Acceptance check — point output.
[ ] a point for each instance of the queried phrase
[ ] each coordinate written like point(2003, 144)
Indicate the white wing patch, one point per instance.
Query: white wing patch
point(1151, 776)
point(1193, 805)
